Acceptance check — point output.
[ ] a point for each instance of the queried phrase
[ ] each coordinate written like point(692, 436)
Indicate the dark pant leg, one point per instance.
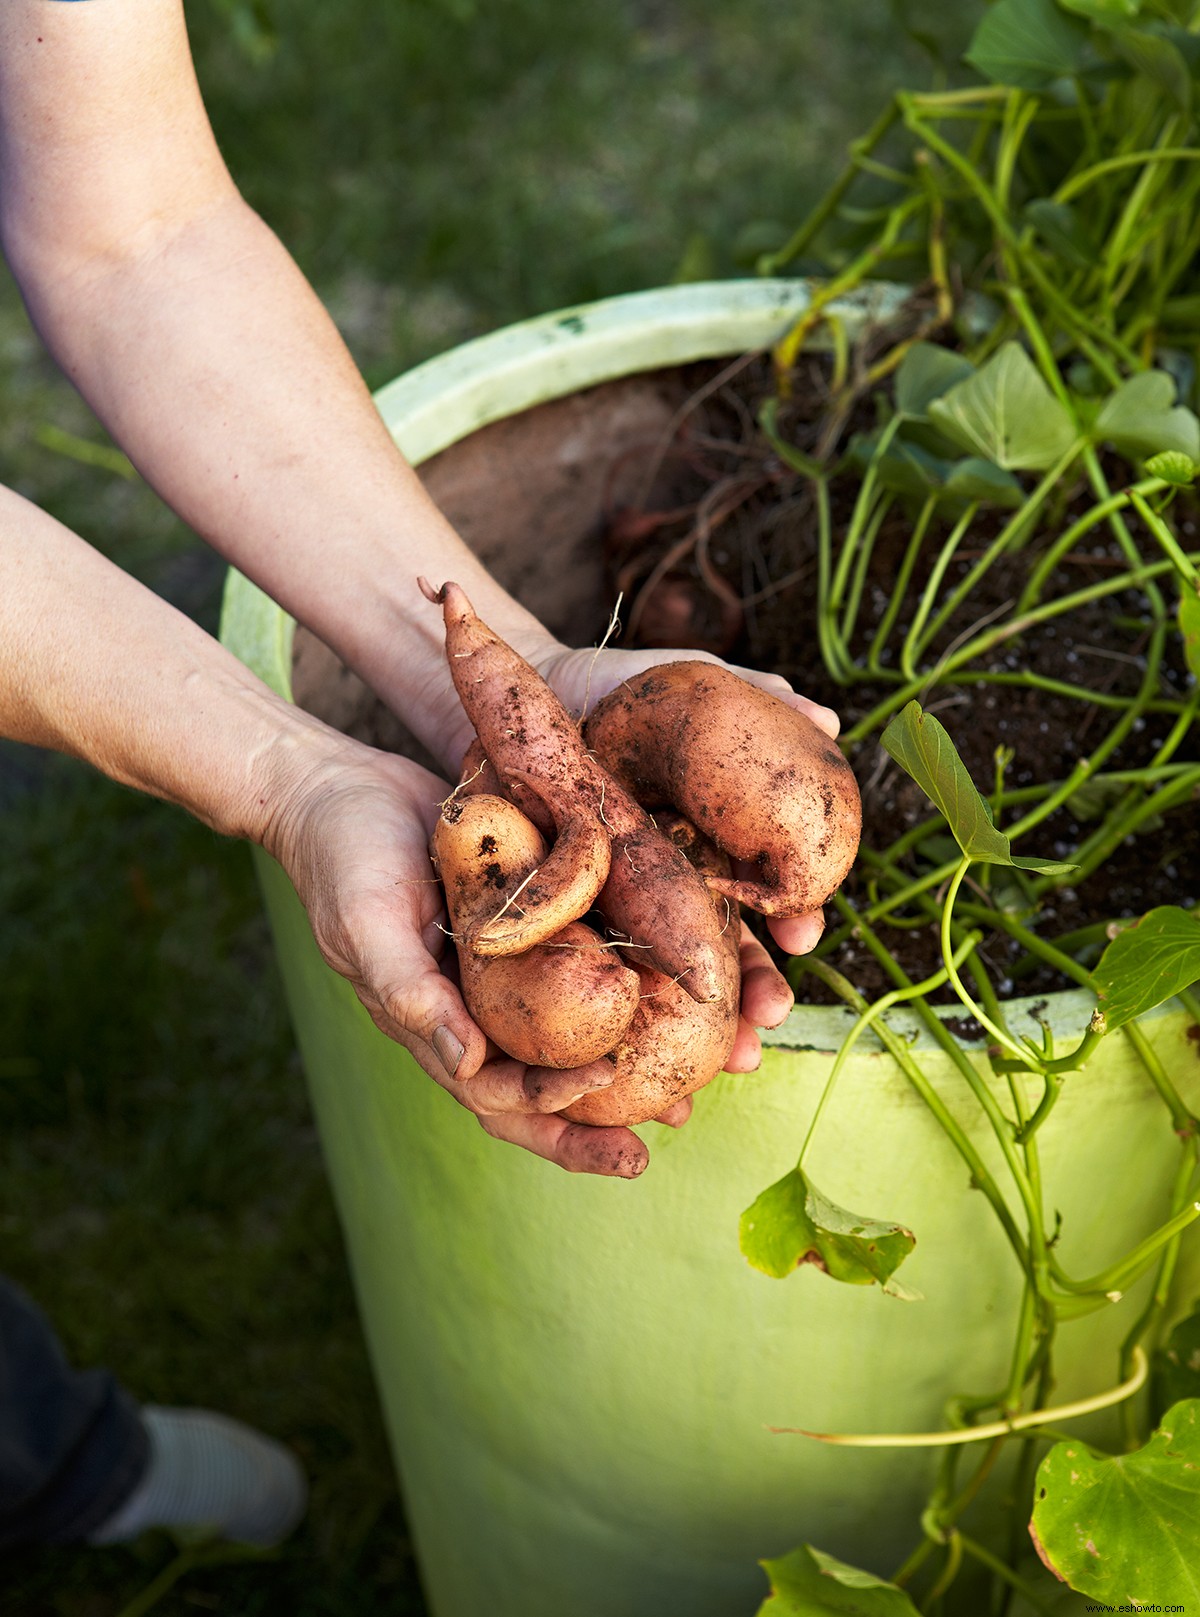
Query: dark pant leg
point(72, 1444)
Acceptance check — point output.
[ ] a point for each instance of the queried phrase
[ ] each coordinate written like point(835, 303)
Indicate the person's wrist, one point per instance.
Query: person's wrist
point(301, 762)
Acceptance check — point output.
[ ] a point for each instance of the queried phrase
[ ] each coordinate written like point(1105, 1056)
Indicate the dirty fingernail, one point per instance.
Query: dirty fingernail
point(447, 1049)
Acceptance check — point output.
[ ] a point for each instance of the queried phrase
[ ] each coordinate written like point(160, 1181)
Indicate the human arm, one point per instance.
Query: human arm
point(186, 325)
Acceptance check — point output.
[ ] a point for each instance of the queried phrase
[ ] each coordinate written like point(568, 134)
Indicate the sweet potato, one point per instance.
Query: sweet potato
point(754, 775)
point(562, 1002)
point(504, 891)
point(673, 1046)
point(652, 895)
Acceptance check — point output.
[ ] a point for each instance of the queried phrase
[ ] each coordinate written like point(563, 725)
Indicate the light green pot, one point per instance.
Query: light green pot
point(578, 1374)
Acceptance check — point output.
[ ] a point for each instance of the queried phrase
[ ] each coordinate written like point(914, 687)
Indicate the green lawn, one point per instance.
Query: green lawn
point(438, 167)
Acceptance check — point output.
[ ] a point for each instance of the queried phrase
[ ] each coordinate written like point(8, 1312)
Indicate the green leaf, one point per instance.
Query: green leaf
point(1125, 1528)
point(1007, 414)
point(1160, 61)
point(1173, 467)
point(907, 467)
point(1147, 963)
point(975, 479)
point(1103, 11)
point(1141, 418)
point(1061, 228)
point(791, 1223)
point(1189, 628)
point(809, 1583)
point(920, 745)
point(904, 467)
point(925, 373)
point(1176, 1364)
point(1027, 43)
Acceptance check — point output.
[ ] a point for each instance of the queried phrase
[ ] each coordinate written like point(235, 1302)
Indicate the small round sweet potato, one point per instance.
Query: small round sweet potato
point(754, 775)
point(560, 1004)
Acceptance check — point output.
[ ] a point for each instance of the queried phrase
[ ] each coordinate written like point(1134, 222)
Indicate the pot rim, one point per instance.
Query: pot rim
point(488, 378)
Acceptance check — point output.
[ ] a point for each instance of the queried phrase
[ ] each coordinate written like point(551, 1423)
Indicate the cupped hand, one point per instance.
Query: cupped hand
point(353, 837)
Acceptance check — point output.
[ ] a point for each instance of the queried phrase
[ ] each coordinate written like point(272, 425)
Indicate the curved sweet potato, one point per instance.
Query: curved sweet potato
point(504, 891)
point(757, 777)
point(651, 894)
point(673, 1046)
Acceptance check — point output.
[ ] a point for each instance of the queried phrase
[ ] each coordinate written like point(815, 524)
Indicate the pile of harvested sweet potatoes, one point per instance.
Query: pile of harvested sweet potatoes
point(640, 821)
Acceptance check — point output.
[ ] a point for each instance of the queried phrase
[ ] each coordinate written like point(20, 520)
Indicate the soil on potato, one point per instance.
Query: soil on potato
point(722, 554)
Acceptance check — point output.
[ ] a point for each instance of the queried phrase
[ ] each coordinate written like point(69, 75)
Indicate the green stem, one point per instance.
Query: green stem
point(772, 263)
point(1006, 1574)
point(896, 997)
point(898, 1049)
point(910, 650)
point(1062, 546)
point(888, 621)
point(1183, 563)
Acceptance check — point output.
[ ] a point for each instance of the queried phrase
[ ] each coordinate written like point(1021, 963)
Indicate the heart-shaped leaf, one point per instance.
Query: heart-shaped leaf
point(1141, 418)
point(920, 745)
point(809, 1583)
point(1007, 414)
point(1176, 1367)
point(791, 1223)
point(925, 373)
point(1125, 1528)
point(1027, 43)
point(1189, 628)
point(1147, 964)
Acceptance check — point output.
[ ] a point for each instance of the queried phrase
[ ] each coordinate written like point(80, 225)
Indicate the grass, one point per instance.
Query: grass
point(438, 167)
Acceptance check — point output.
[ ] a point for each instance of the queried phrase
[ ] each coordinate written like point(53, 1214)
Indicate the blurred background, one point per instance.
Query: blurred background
point(438, 168)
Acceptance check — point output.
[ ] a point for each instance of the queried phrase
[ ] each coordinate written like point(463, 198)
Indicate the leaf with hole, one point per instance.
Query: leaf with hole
point(922, 748)
point(792, 1224)
point(924, 374)
point(1141, 418)
point(1027, 44)
point(809, 1583)
point(1147, 964)
point(1125, 1528)
point(1007, 414)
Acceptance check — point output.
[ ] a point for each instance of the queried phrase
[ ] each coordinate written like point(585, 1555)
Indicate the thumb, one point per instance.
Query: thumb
point(409, 999)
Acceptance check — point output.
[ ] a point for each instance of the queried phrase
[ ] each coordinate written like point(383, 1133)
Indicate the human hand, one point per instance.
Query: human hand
point(353, 837)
